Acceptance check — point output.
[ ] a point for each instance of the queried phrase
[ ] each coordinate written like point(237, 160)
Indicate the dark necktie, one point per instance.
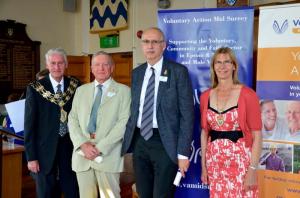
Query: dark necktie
point(93, 117)
point(147, 115)
point(58, 91)
point(63, 128)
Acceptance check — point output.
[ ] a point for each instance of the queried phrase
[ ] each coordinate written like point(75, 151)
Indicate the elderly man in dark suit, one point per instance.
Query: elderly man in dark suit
point(159, 130)
point(48, 146)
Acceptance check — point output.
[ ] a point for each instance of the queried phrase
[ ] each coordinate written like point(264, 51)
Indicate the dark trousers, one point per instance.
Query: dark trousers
point(61, 178)
point(154, 170)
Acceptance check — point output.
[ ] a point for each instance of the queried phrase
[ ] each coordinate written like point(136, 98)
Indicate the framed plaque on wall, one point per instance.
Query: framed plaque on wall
point(19, 59)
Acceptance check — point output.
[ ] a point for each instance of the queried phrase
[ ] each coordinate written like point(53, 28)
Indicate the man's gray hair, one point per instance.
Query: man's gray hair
point(111, 61)
point(59, 51)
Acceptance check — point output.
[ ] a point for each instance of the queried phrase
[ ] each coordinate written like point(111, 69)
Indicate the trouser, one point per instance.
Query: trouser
point(92, 180)
point(61, 178)
point(154, 170)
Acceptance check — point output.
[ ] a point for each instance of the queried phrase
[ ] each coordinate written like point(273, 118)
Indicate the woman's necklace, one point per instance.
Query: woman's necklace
point(220, 118)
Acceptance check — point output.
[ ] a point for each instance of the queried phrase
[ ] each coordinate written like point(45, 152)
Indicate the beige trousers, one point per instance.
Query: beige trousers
point(92, 180)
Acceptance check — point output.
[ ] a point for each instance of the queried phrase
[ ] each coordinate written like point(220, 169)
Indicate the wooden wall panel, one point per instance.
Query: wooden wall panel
point(79, 67)
point(122, 72)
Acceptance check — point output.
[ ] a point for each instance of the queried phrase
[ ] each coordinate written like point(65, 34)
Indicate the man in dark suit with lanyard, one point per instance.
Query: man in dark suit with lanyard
point(48, 146)
point(159, 130)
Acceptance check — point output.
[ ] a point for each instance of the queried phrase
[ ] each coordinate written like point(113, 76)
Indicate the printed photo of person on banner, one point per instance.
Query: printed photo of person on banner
point(274, 127)
point(293, 121)
point(276, 157)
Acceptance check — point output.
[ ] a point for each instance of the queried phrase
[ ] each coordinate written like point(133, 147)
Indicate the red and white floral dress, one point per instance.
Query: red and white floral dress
point(227, 162)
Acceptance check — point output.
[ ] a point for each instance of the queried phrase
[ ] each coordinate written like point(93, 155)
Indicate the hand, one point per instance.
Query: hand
point(250, 182)
point(33, 166)
point(89, 150)
point(183, 165)
point(204, 177)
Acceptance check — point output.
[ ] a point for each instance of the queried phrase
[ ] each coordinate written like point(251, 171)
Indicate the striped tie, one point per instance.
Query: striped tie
point(58, 91)
point(93, 116)
point(63, 128)
point(147, 116)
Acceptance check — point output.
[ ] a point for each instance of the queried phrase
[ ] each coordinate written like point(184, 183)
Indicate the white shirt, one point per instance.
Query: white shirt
point(157, 69)
point(105, 86)
point(55, 83)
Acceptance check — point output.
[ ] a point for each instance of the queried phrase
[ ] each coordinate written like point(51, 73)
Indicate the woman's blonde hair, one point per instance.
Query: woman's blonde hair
point(213, 76)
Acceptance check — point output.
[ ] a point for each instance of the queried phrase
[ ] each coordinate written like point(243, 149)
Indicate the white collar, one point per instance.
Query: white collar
point(55, 83)
point(105, 84)
point(157, 66)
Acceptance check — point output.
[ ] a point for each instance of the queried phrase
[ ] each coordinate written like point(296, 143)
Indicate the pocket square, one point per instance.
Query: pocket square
point(111, 94)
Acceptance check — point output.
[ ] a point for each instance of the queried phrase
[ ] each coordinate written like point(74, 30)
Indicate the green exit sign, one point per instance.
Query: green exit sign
point(109, 41)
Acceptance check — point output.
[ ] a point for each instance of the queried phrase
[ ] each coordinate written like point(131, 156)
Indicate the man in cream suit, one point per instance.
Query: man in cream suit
point(97, 146)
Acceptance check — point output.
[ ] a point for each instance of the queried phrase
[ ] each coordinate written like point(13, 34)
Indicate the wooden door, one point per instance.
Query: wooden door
point(122, 72)
point(79, 67)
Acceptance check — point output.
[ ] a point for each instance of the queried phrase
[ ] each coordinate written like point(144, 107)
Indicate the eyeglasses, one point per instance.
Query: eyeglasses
point(226, 62)
point(53, 63)
point(101, 64)
point(153, 42)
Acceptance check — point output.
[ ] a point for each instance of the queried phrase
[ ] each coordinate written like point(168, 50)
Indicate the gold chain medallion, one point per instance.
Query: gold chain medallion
point(58, 99)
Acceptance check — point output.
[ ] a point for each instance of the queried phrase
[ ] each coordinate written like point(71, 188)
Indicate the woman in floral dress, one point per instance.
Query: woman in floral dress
point(231, 136)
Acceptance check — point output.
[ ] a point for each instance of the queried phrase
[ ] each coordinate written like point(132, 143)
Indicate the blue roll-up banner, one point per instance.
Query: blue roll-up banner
point(192, 37)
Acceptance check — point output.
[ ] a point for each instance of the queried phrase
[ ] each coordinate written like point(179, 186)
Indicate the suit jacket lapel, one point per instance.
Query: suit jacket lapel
point(139, 82)
point(111, 92)
point(165, 71)
point(47, 84)
point(90, 96)
point(66, 83)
